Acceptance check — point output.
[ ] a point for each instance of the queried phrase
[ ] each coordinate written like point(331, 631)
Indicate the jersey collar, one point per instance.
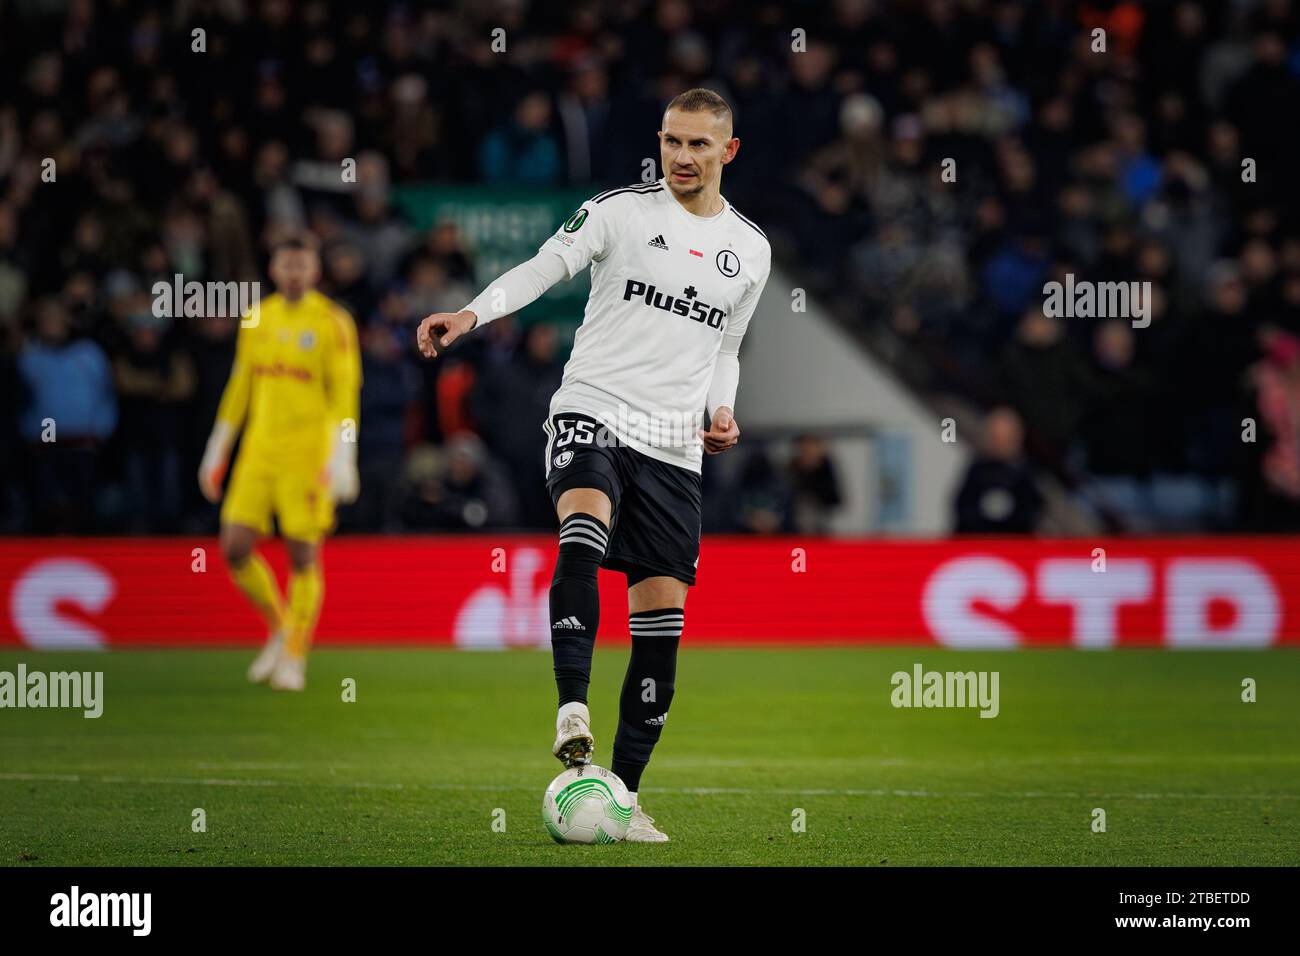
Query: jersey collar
point(690, 217)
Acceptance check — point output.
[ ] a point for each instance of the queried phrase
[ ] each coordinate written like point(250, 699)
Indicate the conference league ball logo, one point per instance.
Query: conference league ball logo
point(574, 222)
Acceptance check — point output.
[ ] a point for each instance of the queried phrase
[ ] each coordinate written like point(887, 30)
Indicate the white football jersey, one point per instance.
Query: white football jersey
point(665, 286)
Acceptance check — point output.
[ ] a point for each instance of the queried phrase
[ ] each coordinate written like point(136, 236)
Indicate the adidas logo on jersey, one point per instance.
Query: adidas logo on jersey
point(658, 243)
point(570, 623)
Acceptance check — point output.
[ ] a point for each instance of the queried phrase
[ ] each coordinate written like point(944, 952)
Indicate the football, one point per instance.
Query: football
point(586, 804)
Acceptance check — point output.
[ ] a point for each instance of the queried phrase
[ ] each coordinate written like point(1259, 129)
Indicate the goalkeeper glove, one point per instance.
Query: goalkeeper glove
point(341, 470)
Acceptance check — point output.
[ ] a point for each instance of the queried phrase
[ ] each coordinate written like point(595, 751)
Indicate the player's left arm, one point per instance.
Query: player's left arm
point(343, 395)
point(723, 432)
point(231, 415)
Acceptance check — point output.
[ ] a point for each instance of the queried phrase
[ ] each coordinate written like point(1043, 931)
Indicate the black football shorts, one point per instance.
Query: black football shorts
point(656, 517)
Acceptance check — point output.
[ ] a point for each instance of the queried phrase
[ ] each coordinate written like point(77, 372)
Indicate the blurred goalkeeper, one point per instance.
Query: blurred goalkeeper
point(294, 389)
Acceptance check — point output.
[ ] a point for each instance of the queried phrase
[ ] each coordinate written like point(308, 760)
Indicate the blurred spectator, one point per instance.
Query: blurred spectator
point(1114, 427)
point(457, 488)
point(389, 386)
point(1041, 378)
point(71, 411)
point(1271, 502)
point(13, 268)
point(815, 489)
point(345, 279)
point(584, 109)
point(998, 495)
point(154, 381)
point(13, 398)
point(510, 403)
point(381, 235)
point(762, 500)
point(442, 245)
point(523, 150)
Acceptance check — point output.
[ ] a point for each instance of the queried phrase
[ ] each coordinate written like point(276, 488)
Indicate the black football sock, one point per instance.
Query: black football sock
point(575, 603)
point(647, 690)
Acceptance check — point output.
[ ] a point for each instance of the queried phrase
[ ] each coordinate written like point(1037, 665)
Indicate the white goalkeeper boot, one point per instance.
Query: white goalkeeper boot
point(573, 740)
point(262, 666)
point(290, 673)
point(641, 828)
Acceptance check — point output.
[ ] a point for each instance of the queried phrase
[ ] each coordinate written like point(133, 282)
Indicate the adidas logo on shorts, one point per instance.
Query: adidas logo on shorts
point(658, 243)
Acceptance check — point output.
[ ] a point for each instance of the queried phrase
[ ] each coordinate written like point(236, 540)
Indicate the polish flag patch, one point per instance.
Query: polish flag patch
point(696, 252)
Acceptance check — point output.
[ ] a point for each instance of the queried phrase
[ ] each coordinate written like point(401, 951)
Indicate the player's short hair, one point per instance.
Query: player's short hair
point(298, 243)
point(700, 100)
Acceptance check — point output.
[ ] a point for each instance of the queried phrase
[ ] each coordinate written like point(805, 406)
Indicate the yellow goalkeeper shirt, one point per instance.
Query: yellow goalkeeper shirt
point(296, 379)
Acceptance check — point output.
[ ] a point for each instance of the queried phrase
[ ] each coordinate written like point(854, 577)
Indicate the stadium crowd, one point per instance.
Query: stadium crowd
point(1115, 165)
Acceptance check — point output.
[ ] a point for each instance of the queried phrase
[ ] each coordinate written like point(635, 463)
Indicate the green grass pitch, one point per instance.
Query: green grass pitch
point(439, 743)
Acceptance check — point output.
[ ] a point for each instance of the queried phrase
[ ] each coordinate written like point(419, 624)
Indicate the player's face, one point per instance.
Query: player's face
point(294, 271)
point(693, 148)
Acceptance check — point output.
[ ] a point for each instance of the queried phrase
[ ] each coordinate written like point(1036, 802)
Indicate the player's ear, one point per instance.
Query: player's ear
point(733, 147)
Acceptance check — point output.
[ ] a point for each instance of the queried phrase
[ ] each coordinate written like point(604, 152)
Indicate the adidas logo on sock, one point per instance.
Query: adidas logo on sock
point(658, 242)
point(657, 721)
point(572, 623)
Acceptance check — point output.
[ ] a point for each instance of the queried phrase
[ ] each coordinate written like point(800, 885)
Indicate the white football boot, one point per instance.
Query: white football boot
point(573, 740)
point(642, 829)
point(264, 663)
point(290, 673)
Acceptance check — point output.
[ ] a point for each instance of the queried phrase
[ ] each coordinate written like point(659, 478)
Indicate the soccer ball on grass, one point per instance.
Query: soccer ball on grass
point(586, 804)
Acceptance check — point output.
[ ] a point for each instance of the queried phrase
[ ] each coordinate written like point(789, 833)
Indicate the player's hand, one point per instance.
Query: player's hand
point(216, 457)
point(723, 432)
point(211, 474)
point(439, 330)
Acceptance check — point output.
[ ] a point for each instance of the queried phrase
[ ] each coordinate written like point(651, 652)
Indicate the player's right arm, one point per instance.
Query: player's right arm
point(521, 286)
point(585, 236)
point(230, 419)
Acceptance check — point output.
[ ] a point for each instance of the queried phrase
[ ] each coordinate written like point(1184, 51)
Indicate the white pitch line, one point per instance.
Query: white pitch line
point(684, 791)
point(251, 765)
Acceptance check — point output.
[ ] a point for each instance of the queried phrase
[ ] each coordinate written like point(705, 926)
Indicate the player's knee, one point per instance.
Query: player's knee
point(648, 589)
point(236, 551)
point(583, 542)
point(591, 502)
point(302, 555)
